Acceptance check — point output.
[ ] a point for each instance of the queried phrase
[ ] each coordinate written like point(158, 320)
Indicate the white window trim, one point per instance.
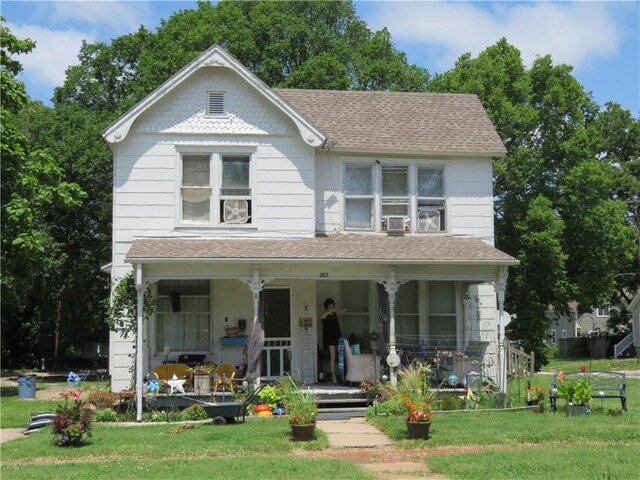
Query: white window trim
point(215, 181)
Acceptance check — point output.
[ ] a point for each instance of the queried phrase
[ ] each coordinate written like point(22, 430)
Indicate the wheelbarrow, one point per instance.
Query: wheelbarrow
point(227, 412)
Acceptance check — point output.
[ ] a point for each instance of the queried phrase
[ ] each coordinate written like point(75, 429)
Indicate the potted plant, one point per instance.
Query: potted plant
point(413, 388)
point(576, 394)
point(302, 407)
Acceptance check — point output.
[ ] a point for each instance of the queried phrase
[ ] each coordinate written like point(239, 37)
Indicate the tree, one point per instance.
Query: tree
point(564, 192)
point(35, 195)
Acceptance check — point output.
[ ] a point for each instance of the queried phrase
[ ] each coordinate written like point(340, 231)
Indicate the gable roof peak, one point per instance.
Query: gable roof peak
point(214, 56)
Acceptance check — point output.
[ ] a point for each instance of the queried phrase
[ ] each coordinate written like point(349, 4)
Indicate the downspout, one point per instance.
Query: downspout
point(139, 340)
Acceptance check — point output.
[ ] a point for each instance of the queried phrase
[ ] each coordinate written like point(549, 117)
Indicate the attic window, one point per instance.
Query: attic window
point(215, 104)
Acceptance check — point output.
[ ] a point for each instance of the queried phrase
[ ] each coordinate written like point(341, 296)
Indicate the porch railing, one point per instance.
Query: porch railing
point(519, 363)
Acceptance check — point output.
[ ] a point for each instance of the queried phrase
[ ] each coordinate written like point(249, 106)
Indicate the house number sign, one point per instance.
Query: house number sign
point(324, 274)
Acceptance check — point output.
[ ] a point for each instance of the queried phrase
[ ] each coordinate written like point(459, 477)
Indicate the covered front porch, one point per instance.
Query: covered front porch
point(399, 297)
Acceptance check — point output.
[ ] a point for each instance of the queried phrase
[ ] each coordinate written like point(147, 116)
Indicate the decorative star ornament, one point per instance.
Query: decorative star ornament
point(176, 384)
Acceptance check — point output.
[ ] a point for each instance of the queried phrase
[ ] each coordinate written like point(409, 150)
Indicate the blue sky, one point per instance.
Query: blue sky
point(600, 39)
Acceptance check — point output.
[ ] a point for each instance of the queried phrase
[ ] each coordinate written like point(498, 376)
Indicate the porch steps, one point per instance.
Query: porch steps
point(341, 413)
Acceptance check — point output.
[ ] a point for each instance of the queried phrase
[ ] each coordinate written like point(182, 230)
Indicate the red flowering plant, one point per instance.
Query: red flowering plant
point(413, 389)
point(72, 421)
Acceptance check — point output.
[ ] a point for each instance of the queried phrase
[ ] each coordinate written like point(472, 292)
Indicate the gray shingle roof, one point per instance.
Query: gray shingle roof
point(375, 248)
point(399, 121)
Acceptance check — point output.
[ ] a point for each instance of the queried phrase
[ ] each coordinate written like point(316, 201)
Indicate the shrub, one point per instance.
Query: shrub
point(156, 416)
point(450, 403)
point(102, 398)
point(194, 412)
point(106, 415)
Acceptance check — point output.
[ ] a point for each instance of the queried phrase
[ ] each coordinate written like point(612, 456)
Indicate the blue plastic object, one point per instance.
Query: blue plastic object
point(27, 386)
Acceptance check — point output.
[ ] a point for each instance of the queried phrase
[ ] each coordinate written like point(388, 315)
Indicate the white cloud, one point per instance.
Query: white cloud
point(55, 51)
point(114, 17)
point(572, 33)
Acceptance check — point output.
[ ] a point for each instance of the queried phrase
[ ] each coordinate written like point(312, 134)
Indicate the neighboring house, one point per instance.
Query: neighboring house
point(240, 204)
point(575, 325)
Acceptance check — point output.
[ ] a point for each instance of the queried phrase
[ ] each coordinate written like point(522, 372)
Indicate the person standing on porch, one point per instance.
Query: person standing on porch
point(331, 333)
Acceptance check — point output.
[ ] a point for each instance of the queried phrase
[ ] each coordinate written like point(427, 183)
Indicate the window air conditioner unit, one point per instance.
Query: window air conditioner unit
point(236, 211)
point(429, 220)
point(396, 224)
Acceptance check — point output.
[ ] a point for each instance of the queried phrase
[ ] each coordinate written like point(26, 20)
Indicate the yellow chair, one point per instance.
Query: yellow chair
point(223, 375)
point(166, 372)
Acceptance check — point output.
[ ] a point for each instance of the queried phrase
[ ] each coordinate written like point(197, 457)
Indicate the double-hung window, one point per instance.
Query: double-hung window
point(431, 200)
point(359, 196)
point(210, 179)
point(195, 191)
point(395, 190)
point(235, 191)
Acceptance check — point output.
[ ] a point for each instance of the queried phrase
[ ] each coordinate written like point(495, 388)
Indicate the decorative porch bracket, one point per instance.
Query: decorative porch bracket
point(503, 275)
point(391, 285)
point(256, 285)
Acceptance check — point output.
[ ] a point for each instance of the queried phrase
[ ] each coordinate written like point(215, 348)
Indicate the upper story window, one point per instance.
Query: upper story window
point(395, 191)
point(196, 188)
point(399, 197)
point(359, 195)
point(215, 104)
point(431, 212)
point(235, 192)
point(202, 174)
point(603, 311)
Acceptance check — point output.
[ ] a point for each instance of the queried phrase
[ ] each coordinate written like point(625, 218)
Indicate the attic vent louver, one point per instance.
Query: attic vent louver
point(215, 103)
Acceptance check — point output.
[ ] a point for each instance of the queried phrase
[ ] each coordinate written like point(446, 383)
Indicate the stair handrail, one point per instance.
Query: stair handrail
point(622, 345)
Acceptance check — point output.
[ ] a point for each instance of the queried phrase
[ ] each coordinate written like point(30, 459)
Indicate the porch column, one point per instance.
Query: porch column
point(256, 285)
point(139, 340)
point(503, 275)
point(393, 360)
point(468, 311)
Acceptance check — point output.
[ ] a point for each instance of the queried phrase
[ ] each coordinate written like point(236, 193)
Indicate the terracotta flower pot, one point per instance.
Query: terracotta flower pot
point(418, 429)
point(303, 433)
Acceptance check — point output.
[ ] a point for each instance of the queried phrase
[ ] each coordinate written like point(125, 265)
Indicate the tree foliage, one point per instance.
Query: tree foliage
point(36, 197)
point(565, 191)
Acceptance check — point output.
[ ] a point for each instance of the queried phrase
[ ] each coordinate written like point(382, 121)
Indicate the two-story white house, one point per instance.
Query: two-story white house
point(240, 204)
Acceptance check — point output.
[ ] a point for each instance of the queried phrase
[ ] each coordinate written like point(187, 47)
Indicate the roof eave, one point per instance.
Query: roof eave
point(253, 260)
point(465, 154)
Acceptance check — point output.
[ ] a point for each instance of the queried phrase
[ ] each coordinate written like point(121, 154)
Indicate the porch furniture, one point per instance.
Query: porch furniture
point(74, 379)
point(462, 363)
point(165, 372)
point(224, 375)
point(362, 367)
point(603, 385)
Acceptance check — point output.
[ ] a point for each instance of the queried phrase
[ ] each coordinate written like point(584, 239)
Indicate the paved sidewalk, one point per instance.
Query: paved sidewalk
point(353, 433)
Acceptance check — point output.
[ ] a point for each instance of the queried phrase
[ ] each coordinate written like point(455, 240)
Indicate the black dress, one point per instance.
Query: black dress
point(330, 330)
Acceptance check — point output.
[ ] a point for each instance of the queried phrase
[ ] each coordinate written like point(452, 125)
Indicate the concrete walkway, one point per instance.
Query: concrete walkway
point(353, 433)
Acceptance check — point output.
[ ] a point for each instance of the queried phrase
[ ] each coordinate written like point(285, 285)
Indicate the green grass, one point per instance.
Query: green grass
point(515, 444)
point(618, 461)
point(255, 449)
point(599, 364)
point(16, 412)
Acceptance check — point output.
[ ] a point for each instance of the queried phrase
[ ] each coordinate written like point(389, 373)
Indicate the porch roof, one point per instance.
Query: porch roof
point(340, 248)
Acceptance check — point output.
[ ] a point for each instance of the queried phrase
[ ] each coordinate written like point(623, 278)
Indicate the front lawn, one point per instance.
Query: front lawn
point(599, 364)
